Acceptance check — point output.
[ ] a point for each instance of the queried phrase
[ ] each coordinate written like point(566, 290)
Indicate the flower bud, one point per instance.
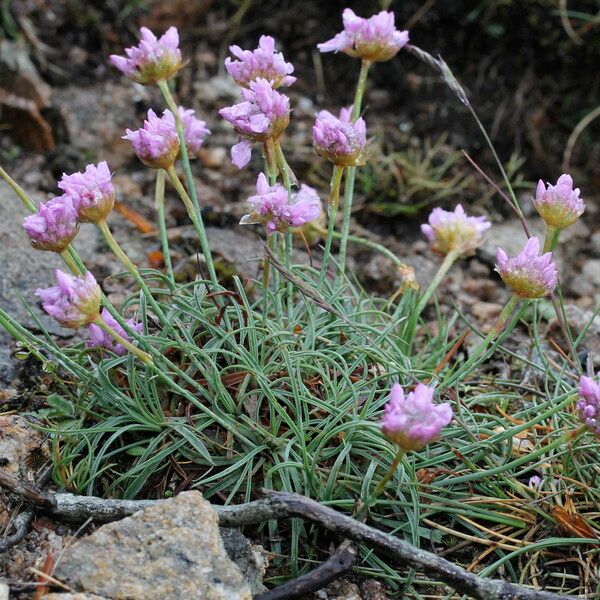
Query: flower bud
point(152, 60)
point(454, 231)
point(413, 421)
point(528, 274)
point(559, 205)
point(92, 192)
point(339, 140)
point(53, 226)
point(98, 338)
point(74, 302)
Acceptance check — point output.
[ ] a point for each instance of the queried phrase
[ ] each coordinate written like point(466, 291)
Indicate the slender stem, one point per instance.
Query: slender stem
point(332, 209)
point(287, 174)
point(271, 158)
point(70, 262)
point(143, 356)
point(194, 208)
point(448, 261)
point(381, 485)
point(351, 172)
point(198, 224)
point(159, 203)
point(18, 190)
point(552, 235)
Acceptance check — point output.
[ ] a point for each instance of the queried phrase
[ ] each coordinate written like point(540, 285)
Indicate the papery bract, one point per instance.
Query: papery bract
point(264, 114)
point(559, 205)
point(454, 231)
point(262, 63)
point(98, 338)
point(92, 192)
point(528, 274)
point(74, 301)
point(156, 143)
point(153, 59)
point(53, 226)
point(273, 207)
point(339, 140)
point(588, 404)
point(412, 421)
point(373, 39)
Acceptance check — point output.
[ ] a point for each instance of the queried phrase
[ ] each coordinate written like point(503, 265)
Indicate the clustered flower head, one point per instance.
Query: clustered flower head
point(98, 338)
point(412, 421)
point(194, 129)
point(277, 210)
point(153, 59)
point(53, 226)
point(340, 140)
point(264, 114)
point(528, 274)
point(74, 301)
point(588, 404)
point(262, 63)
point(454, 231)
point(157, 142)
point(372, 39)
point(559, 205)
point(92, 192)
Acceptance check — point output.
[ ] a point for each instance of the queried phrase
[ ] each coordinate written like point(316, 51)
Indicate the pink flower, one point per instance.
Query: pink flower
point(588, 404)
point(528, 274)
point(559, 205)
point(339, 140)
point(261, 63)
point(157, 142)
point(74, 302)
point(264, 114)
point(92, 192)
point(535, 482)
point(373, 39)
point(153, 59)
point(53, 226)
point(277, 211)
point(100, 339)
point(454, 231)
point(195, 130)
point(413, 421)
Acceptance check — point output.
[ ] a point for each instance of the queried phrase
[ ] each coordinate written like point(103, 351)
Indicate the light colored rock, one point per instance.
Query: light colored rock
point(249, 558)
point(74, 597)
point(170, 550)
point(22, 447)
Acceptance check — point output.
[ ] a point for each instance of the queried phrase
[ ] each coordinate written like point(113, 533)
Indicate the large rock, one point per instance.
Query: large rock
point(170, 550)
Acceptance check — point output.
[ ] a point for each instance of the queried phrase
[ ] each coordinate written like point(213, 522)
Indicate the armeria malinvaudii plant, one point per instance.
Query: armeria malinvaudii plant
point(197, 384)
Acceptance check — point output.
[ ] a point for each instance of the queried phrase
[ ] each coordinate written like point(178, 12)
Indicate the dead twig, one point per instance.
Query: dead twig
point(284, 505)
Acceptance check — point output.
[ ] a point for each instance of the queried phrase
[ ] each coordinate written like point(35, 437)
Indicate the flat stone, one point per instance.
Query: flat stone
point(169, 550)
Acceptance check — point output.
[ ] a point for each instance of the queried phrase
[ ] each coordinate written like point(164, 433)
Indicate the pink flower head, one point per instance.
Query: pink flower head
point(264, 114)
point(413, 421)
point(153, 59)
point(278, 211)
point(157, 142)
point(98, 338)
point(261, 63)
point(535, 482)
point(92, 192)
point(559, 205)
point(373, 39)
point(454, 231)
point(340, 140)
point(74, 302)
point(194, 129)
point(528, 274)
point(53, 226)
point(588, 404)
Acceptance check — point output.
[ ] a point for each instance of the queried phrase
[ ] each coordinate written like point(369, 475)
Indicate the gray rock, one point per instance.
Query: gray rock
point(509, 236)
point(74, 597)
point(170, 550)
point(248, 557)
point(21, 446)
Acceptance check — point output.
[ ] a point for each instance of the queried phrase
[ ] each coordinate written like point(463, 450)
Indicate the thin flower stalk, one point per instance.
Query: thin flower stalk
point(332, 210)
point(159, 204)
point(143, 356)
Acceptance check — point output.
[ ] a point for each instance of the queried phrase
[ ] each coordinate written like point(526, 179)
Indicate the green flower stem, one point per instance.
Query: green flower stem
point(18, 190)
point(71, 263)
point(552, 235)
point(197, 222)
point(270, 153)
point(192, 204)
point(447, 263)
point(287, 175)
point(351, 174)
point(332, 209)
point(381, 485)
point(159, 203)
point(143, 356)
